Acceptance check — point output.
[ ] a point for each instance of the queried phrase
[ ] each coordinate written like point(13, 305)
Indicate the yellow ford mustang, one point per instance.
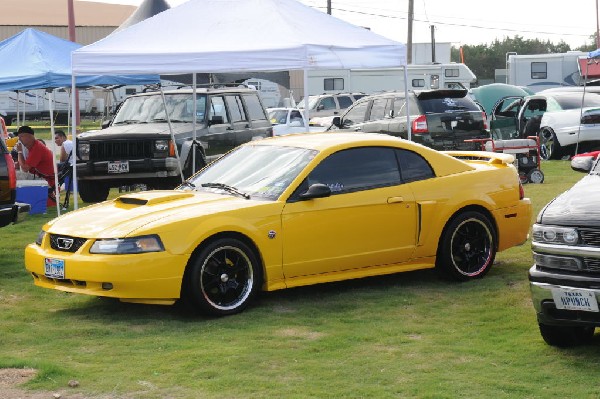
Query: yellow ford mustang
point(286, 212)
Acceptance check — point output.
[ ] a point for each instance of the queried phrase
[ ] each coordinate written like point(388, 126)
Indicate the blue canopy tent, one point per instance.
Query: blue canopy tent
point(37, 60)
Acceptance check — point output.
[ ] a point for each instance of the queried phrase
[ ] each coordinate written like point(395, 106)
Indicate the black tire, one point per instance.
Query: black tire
point(550, 148)
point(222, 278)
point(566, 336)
point(467, 246)
point(91, 192)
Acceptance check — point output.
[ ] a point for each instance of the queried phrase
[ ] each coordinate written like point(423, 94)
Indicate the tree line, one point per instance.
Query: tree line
point(484, 59)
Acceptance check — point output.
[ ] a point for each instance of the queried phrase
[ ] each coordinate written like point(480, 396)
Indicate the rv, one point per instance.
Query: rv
point(369, 81)
point(545, 71)
point(34, 104)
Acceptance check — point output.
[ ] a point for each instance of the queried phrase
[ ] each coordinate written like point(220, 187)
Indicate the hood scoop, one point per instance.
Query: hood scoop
point(152, 197)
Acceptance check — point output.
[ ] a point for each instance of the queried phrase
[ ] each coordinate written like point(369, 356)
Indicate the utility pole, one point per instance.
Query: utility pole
point(410, 29)
point(71, 12)
point(432, 43)
point(329, 7)
point(597, 28)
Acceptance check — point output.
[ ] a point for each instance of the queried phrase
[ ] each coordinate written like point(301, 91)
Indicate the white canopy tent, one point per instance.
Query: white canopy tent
point(212, 36)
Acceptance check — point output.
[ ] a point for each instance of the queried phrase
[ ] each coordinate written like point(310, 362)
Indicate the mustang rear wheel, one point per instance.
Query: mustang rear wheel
point(565, 336)
point(223, 277)
point(468, 246)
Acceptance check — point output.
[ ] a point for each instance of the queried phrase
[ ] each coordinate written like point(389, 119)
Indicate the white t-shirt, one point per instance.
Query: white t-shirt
point(68, 146)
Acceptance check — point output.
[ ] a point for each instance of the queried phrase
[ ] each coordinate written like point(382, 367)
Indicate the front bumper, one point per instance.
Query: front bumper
point(542, 282)
point(153, 278)
point(13, 214)
point(138, 168)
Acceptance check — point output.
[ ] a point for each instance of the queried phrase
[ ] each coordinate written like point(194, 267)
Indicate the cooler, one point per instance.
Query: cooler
point(34, 193)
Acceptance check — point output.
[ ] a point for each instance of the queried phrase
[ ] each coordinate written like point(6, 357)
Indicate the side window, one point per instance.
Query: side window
point(296, 116)
point(327, 103)
point(255, 110)
point(356, 114)
point(333, 84)
point(413, 167)
point(451, 73)
point(357, 169)
point(435, 81)
point(418, 83)
point(217, 109)
point(344, 101)
point(399, 103)
point(236, 109)
point(378, 109)
point(539, 70)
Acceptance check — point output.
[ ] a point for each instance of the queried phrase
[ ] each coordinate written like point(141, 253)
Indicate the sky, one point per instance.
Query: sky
point(460, 22)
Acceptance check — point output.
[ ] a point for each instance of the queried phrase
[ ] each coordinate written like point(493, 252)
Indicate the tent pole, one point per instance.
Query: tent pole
point(18, 110)
point(195, 100)
point(162, 95)
point(74, 137)
point(408, 123)
point(587, 63)
point(306, 113)
point(56, 188)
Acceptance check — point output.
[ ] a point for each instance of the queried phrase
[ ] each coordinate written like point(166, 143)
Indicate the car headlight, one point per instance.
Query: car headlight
point(84, 151)
point(161, 145)
point(40, 237)
point(133, 245)
point(555, 234)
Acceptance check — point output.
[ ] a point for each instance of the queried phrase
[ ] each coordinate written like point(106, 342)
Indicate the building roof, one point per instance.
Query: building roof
point(55, 13)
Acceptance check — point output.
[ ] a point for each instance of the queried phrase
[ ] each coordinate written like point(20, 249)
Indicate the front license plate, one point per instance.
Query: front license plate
point(573, 299)
point(118, 167)
point(54, 268)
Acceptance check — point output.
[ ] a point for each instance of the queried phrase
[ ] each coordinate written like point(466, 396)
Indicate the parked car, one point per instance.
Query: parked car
point(137, 146)
point(290, 120)
point(285, 212)
point(555, 117)
point(564, 278)
point(440, 119)
point(10, 210)
point(330, 104)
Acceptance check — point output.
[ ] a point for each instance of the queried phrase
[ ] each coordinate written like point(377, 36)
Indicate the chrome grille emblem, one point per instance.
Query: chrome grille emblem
point(64, 243)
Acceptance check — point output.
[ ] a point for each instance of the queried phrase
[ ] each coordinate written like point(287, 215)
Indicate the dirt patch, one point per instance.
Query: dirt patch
point(10, 379)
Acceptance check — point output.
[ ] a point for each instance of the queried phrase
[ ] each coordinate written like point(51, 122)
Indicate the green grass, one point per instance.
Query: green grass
point(401, 336)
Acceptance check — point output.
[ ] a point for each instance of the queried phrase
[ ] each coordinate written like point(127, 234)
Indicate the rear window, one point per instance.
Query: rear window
point(447, 104)
point(574, 102)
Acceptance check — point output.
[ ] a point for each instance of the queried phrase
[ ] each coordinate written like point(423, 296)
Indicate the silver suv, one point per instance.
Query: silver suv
point(330, 104)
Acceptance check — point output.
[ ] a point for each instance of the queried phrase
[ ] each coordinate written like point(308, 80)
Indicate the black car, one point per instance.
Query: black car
point(565, 277)
point(10, 211)
point(143, 144)
point(440, 119)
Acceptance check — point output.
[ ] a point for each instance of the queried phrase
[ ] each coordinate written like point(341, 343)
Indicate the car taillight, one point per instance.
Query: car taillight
point(419, 125)
point(521, 190)
point(12, 175)
point(171, 148)
point(485, 124)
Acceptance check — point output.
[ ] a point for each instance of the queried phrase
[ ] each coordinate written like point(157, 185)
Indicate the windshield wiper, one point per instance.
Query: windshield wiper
point(227, 188)
point(128, 122)
point(187, 184)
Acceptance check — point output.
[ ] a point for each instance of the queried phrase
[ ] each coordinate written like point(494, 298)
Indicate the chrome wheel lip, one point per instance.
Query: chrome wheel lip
point(226, 278)
point(470, 247)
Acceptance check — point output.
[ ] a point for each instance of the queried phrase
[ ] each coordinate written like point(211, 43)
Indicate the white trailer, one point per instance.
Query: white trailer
point(545, 71)
point(420, 77)
point(34, 104)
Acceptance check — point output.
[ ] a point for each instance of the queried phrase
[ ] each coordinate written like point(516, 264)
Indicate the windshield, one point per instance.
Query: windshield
point(260, 171)
point(312, 102)
point(278, 116)
point(150, 109)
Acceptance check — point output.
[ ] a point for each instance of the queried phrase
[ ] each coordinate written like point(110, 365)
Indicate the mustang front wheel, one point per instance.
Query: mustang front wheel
point(223, 277)
point(468, 246)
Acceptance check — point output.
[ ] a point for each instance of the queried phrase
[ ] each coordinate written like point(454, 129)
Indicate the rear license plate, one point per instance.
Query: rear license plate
point(54, 268)
point(573, 299)
point(118, 167)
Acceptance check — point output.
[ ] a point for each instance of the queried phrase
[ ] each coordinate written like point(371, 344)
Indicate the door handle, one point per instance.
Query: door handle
point(395, 200)
point(358, 129)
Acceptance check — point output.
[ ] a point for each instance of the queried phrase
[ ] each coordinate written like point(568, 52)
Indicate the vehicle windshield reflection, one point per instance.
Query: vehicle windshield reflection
point(263, 172)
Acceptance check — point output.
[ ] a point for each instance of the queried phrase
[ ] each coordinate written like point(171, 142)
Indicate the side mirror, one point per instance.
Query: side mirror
point(216, 120)
point(317, 190)
point(584, 162)
point(337, 121)
point(391, 113)
point(320, 107)
point(106, 123)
